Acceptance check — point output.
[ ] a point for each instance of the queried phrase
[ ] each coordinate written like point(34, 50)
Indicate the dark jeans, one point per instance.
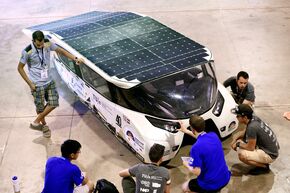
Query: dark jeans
point(128, 185)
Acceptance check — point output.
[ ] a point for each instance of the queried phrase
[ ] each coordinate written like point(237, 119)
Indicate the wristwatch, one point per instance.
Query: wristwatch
point(238, 144)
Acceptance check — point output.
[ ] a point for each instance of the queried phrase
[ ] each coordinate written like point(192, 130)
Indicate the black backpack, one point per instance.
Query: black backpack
point(104, 186)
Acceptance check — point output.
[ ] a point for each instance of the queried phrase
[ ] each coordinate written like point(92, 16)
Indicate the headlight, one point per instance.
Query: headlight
point(218, 108)
point(166, 125)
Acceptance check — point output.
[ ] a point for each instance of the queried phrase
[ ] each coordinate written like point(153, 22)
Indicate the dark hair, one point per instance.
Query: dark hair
point(69, 146)
point(243, 110)
point(248, 116)
point(156, 152)
point(130, 134)
point(197, 123)
point(243, 74)
point(38, 35)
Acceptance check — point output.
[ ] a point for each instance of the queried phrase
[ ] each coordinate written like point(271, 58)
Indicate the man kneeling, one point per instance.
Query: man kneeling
point(150, 178)
point(61, 175)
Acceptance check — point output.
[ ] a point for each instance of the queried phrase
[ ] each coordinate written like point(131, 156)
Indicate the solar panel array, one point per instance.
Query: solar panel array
point(126, 45)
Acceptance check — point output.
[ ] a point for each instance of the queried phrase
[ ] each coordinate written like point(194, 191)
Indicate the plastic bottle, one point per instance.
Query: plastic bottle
point(16, 185)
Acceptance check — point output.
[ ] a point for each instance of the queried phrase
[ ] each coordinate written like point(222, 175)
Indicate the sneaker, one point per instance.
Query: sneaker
point(46, 131)
point(260, 170)
point(36, 126)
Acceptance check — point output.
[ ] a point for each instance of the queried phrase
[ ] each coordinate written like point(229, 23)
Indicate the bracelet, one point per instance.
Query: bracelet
point(238, 144)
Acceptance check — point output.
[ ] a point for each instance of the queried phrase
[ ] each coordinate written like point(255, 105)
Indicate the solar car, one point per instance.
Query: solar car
point(140, 77)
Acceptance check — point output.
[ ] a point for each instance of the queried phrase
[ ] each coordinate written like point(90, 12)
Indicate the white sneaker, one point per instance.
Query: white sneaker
point(36, 126)
point(46, 131)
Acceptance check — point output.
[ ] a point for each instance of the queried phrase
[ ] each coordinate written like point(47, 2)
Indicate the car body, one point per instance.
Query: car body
point(140, 77)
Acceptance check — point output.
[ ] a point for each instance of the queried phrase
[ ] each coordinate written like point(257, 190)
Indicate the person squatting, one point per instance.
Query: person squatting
point(257, 145)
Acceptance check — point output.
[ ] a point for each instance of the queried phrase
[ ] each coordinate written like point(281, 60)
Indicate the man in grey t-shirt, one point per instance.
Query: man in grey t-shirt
point(241, 89)
point(258, 145)
point(150, 178)
point(43, 89)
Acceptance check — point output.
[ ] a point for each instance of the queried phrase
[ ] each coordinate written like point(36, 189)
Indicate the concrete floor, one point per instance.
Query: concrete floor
point(243, 35)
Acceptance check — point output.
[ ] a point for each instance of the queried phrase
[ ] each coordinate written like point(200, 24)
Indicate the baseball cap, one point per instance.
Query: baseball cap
point(242, 109)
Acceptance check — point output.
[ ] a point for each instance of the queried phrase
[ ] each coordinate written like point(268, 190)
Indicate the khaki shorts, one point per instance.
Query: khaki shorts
point(81, 189)
point(257, 155)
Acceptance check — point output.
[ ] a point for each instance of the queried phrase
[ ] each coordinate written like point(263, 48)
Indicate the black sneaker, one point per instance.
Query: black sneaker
point(260, 170)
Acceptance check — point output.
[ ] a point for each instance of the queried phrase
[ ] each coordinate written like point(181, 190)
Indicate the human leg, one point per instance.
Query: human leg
point(88, 188)
point(192, 186)
point(128, 185)
point(39, 100)
point(50, 94)
point(41, 116)
point(257, 158)
point(185, 187)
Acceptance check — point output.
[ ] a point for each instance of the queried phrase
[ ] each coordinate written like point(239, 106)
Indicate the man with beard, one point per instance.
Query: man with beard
point(241, 89)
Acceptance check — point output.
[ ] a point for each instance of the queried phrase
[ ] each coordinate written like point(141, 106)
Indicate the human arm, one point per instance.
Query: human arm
point(229, 81)
point(23, 74)
point(185, 130)
point(247, 102)
point(167, 188)
point(69, 55)
point(124, 173)
point(237, 137)
point(250, 95)
point(195, 170)
point(250, 145)
point(85, 181)
point(251, 141)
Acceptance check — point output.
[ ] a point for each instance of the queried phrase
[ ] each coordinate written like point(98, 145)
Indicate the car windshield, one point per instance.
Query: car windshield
point(177, 96)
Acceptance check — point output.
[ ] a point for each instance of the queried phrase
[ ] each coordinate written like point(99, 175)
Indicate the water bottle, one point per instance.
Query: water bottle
point(16, 185)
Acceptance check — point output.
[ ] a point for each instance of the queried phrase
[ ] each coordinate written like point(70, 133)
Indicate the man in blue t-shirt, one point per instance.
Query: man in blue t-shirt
point(61, 175)
point(206, 161)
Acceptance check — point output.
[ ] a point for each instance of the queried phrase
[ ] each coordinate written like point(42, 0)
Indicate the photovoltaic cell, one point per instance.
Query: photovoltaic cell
point(156, 37)
point(126, 45)
point(110, 51)
point(95, 39)
point(118, 20)
point(139, 26)
point(78, 30)
point(130, 61)
point(153, 73)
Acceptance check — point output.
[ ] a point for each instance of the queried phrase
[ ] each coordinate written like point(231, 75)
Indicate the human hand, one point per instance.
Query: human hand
point(182, 127)
point(234, 146)
point(185, 163)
